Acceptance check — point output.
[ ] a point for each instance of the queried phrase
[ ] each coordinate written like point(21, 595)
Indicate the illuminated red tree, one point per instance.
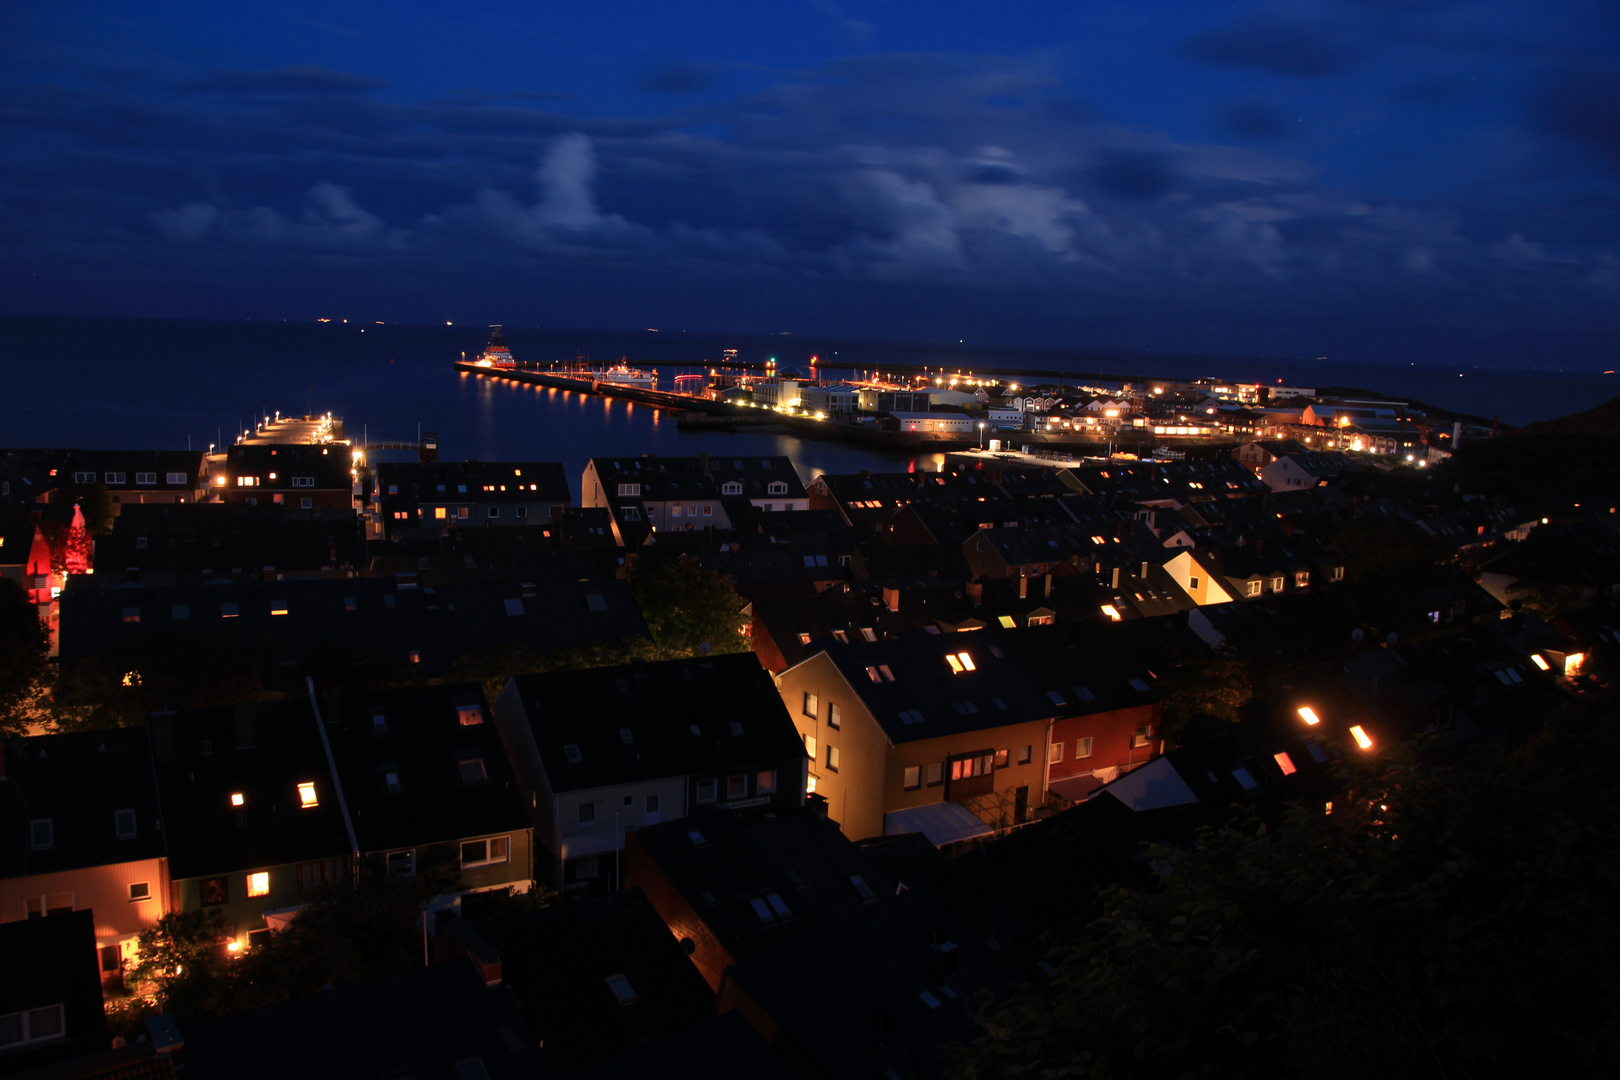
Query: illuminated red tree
point(77, 550)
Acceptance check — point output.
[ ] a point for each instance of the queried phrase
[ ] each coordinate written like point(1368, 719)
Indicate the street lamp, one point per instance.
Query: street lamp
point(981, 435)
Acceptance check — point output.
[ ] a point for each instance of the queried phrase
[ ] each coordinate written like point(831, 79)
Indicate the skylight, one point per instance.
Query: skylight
point(306, 795)
point(622, 991)
point(571, 752)
point(1285, 763)
point(237, 798)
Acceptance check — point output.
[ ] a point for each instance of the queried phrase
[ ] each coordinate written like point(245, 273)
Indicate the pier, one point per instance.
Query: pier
point(723, 416)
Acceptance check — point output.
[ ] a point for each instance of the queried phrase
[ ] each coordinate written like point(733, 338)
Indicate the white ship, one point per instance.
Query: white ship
point(496, 354)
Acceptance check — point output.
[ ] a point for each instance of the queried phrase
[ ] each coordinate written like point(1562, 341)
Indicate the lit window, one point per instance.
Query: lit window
point(810, 746)
point(809, 705)
point(1285, 763)
point(259, 884)
point(765, 782)
point(1308, 714)
point(1082, 747)
point(1361, 737)
point(237, 798)
point(1536, 659)
point(306, 795)
point(832, 759)
point(912, 779)
point(469, 715)
point(1054, 753)
point(835, 715)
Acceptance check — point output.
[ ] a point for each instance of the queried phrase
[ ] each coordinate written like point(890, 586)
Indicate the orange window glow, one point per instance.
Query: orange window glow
point(1285, 763)
point(306, 795)
point(1308, 714)
point(1361, 737)
point(237, 798)
point(259, 884)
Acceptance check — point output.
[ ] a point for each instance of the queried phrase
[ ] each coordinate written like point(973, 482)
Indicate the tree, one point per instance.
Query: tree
point(1440, 915)
point(24, 654)
point(141, 675)
point(183, 961)
point(687, 606)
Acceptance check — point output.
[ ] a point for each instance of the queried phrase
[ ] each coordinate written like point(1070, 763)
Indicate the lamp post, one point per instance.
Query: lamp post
point(981, 435)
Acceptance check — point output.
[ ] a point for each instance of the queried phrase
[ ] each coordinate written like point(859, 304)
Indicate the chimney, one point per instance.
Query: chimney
point(246, 733)
point(1023, 587)
point(891, 598)
point(975, 592)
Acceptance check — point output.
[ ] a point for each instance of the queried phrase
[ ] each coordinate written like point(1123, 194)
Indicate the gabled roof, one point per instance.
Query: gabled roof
point(912, 686)
point(758, 885)
point(261, 751)
point(887, 988)
point(328, 466)
point(82, 783)
point(559, 963)
point(425, 735)
point(407, 483)
point(615, 725)
point(418, 1023)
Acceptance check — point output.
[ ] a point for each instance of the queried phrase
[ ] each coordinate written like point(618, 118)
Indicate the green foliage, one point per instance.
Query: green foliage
point(183, 960)
point(24, 652)
point(1446, 920)
point(492, 667)
point(147, 673)
point(686, 606)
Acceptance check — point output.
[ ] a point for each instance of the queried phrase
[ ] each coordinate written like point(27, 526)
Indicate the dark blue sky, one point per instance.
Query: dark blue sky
point(1388, 180)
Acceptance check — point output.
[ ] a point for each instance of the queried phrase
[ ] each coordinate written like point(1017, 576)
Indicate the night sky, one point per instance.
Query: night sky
point(1389, 180)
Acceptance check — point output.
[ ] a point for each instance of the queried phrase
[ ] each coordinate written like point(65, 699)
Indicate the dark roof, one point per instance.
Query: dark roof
point(559, 961)
point(720, 864)
point(421, 1023)
point(902, 856)
point(848, 1001)
point(921, 680)
point(390, 615)
point(52, 961)
point(80, 782)
point(232, 539)
point(658, 705)
point(423, 738)
point(262, 751)
point(725, 1044)
point(472, 481)
point(328, 466)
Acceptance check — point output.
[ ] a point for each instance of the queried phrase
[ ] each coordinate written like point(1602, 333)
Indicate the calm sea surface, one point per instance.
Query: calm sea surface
point(100, 383)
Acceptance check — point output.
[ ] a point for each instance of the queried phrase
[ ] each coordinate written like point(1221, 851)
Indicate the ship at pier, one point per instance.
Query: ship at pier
point(496, 354)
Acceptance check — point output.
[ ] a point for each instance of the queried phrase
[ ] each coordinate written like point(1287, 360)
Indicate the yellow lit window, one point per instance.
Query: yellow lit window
point(967, 661)
point(259, 884)
point(1361, 737)
point(306, 795)
point(237, 798)
point(1308, 714)
point(1535, 658)
point(438, 512)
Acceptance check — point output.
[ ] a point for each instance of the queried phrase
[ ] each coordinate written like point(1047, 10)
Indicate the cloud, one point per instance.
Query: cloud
point(1125, 174)
point(188, 224)
point(1582, 101)
point(331, 221)
point(299, 80)
point(1257, 120)
point(677, 79)
point(1278, 46)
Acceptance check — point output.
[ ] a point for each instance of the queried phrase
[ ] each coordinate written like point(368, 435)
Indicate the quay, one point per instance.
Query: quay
point(723, 416)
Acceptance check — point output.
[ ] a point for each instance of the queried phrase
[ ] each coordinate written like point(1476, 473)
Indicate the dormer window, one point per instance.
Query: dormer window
point(469, 715)
point(629, 491)
point(776, 487)
point(731, 487)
